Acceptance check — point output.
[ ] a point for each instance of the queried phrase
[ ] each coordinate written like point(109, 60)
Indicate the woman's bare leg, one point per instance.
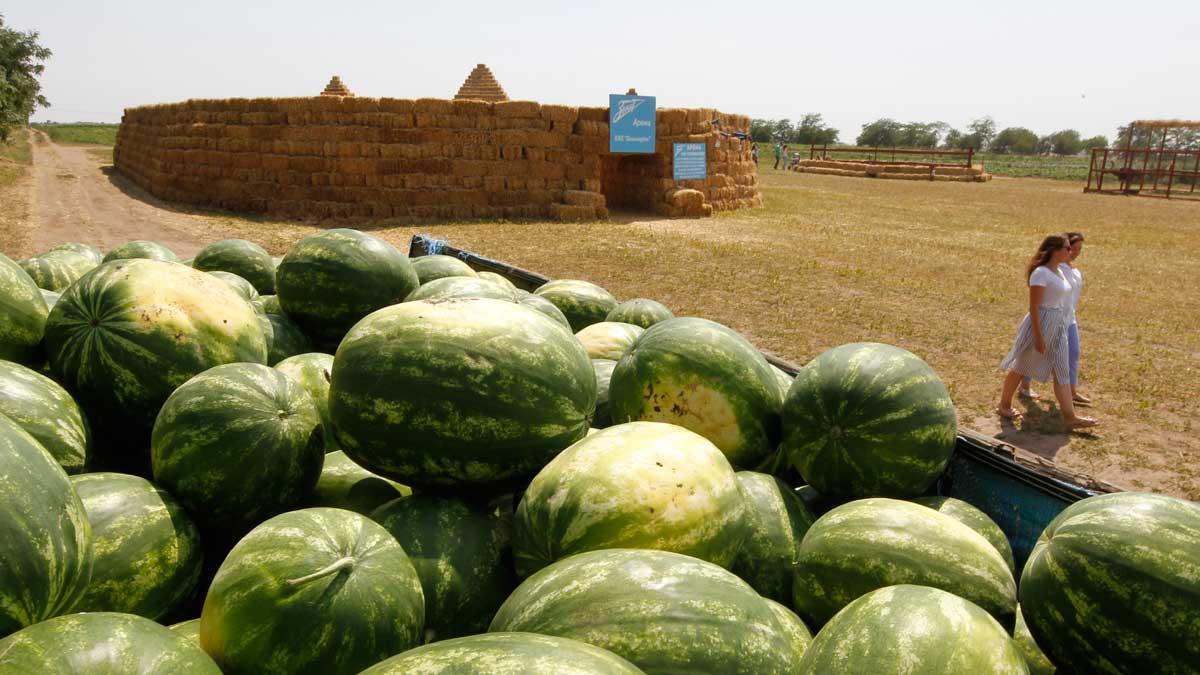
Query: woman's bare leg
point(1066, 405)
point(1012, 380)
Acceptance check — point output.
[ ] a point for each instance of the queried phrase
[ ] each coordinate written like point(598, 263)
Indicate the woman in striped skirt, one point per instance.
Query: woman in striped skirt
point(1041, 350)
point(1075, 277)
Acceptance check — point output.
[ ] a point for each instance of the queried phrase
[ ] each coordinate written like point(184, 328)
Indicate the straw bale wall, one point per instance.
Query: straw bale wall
point(350, 158)
point(960, 174)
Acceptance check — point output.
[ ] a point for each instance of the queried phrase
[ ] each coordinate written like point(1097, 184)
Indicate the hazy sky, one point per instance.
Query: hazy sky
point(1045, 65)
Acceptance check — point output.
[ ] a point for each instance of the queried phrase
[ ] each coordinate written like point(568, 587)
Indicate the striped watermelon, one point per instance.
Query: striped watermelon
point(51, 297)
point(284, 338)
point(1035, 658)
point(912, 629)
point(147, 551)
point(313, 371)
point(582, 302)
point(243, 258)
point(431, 267)
point(461, 287)
point(44, 409)
point(102, 643)
point(459, 392)
point(462, 556)
point(776, 521)
point(705, 377)
point(785, 381)
point(127, 334)
point(90, 252)
point(640, 312)
point(871, 543)
point(503, 281)
point(237, 444)
point(56, 270)
point(314, 591)
point(637, 485)
point(542, 305)
point(664, 612)
point(189, 629)
point(244, 288)
point(506, 654)
point(793, 628)
point(868, 419)
point(346, 485)
point(270, 304)
point(24, 311)
point(603, 369)
point(47, 542)
point(1113, 585)
point(976, 520)
point(609, 339)
point(330, 280)
point(141, 248)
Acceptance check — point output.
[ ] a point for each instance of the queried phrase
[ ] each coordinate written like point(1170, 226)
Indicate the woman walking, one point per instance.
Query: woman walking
point(1041, 349)
point(1075, 277)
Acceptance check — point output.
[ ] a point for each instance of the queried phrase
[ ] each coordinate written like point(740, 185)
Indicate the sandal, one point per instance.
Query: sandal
point(1010, 414)
point(1029, 394)
point(1081, 423)
point(1081, 399)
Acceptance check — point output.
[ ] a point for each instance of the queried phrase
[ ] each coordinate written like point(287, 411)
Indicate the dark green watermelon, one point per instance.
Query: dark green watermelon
point(461, 287)
point(542, 305)
point(284, 338)
point(243, 258)
point(640, 312)
point(432, 267)
point(975, 519)
point(141, 249)
point(190, 629)
point(346, 485)
point(24, 311)
point(776, 521)
point(270, 304)
point(45, 410)
point(603, 369)
point(506, 654)
point(582, 302)
point(1035, 658)
point(313, 371)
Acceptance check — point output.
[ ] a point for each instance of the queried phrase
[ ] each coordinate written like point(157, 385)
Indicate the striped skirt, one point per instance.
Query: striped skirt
point(1024, 357)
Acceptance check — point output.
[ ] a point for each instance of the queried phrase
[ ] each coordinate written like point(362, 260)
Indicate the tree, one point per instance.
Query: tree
point(811, 130)
point(952, 139)
point(760, 130)
point(20, 91)
point(1100, 141)
point(1065, 142)
point(782, 131)
point(882, 133)
point(984, 129)
point(920, 134)
point(1015, 140)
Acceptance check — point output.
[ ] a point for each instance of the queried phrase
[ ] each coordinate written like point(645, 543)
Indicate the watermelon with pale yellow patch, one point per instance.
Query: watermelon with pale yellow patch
point(582, 302)
point(608, 339)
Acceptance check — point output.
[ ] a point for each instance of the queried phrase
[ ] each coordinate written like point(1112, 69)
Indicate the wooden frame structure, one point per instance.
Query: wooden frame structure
point(1150, 170)
point(964, 157)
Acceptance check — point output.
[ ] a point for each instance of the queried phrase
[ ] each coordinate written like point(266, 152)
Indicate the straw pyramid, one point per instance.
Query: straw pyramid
point(481, 85)
point(336, 88)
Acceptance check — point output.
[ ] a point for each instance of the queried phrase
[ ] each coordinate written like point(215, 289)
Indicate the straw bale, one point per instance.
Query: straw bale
point(529, 109)
point(535, 154)
point(672, 116)
point(489, 152)
point(433, 106)
point(560, 113)
point(494, 183)
point(582, 198)
point(594, 114)
point(571, 213)
point(469, 107)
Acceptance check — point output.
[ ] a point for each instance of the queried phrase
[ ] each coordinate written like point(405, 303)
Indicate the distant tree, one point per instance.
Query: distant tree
point(920, 134)
point(952, 139)
point(1065, 142)
point(882, 133)
point(811, 130)
point(760, 130)
point(1100, 141)
point(984, 129)
point(782, 131)
point(1015, 140)
point(20, 67)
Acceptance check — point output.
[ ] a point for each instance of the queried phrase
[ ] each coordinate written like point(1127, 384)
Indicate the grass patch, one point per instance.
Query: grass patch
point(14, 157)
point(83, 133)
point(102, 155)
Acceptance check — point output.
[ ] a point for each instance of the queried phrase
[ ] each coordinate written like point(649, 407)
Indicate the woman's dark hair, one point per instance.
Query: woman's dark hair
point(1045, 251)
point(1074, 237)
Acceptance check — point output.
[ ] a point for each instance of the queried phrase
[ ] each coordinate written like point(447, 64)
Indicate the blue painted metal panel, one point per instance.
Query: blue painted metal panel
point(631, 124)
point(690, 161)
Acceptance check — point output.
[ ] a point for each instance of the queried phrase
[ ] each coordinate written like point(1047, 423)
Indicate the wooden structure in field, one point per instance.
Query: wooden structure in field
point(1157, 158)
point(894, 163)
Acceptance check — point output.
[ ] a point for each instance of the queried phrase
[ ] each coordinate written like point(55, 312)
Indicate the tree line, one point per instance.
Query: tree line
point(20, 66)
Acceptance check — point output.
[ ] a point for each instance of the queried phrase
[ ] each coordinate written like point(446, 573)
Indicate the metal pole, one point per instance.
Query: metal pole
point(1146, 159)
point(1171, 176)
point(1158, 164)
point(1091, 170)
point(1100, 178)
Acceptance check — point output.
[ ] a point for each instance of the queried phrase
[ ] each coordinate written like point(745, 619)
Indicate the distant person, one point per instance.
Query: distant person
point(785, 157)
point(778, 151)
point(1041, 350)
point(1073, 275)
point(754, 153)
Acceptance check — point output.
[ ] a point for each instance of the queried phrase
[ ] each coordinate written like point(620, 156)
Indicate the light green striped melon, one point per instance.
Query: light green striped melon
point(313, 371)
point(141, 248)
point(905, 629)
point(871, 543)
point(637, 485)
point(776, 521)
point(797, 633)
point(56, 270)
point(975, 519)
point(243, 287)
point(460, 287)
point(243, 258)
point(608, 339)
point(51, 297)
point(312, 591)
point(603, 369)
point(346, 485)
point(90, 252)
point(492, 276)
point(542, 305)
point(24, 311)
point(147, 550)
point(284, 338)
point(432, 267)
point(189, 629)
point(506, 654)
point(582, 302)
point(785, 381)
point(1035, 658)
point(44, 409)
point(640, 312)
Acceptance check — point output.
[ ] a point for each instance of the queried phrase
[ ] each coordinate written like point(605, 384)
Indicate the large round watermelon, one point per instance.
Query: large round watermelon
point(976, 520)
point(45, 410)
point(56, 270)
point(703, 376)
point(51, 297)
point(433, 267)
point(603, 369)
point(313, 371)
point(141, 248)
point(461, 287)
point(269, 304)
point(868, 420)
point(582, 302)
point(506, 654)
point(464, 391)
point(640, 312)
point(313, 591)
point(609, 339)
point(1113, 585)
point(503, 281)
point(794, 629)
point(243, 287)
point(328, 281)
point(346, 485)
point(237, 444)
point(905, 629)
point(24, 311)
point(102, 643)
point(189, 629)
point(47, 542)
point(243, 258)
point(127, 334)
point(542, 305)
point(1035, 658)
point(776, 522)
point(284, 338)
point(664, 612)
point(871, 543)
point(88, 251)
point(462, 555)
point(636, 485)
point(147, 551)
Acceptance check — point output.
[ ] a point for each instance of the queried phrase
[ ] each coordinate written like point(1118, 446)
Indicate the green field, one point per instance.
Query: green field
point(1017, 166)
point(90, 134)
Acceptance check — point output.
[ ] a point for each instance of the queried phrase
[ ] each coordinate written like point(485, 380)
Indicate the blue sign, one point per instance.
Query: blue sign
point(631, 123)
point(690, 161)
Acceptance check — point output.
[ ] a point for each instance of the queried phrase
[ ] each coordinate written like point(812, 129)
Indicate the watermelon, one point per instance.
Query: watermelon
point(316, 591)
point(912, 629)
point(785, 381)
point(603, 369)
point(189, 629)
point(328, 281)
point(468, 391)
point(270, 304)
point(147, 551)
point(976, 520)
point(794, 629)
point(56, 270)
point(141, 249)
point(636, 485)
point(237, 444)
point(462, 556)
point(705, 377)
point(47, 554)
point(127, 334)
point(1113, 585)
point(312, 371)
point(869, 419)
point(582, 302)
point(542, 305)
point(506, 654)
point(776, 521)
point(244, 288)
point(640, 312)
point(24, 311)
point(871, 543)
point(665, 612)
point(284, 338)
point(460, 287)
point(102, 643)
point(346, 485)
point(492, 276)
point(1035, 658)
point(431, 267)
point(243, 258)
point(90, 252)
point(45, 410)
point(51, 297)
point(608, 339)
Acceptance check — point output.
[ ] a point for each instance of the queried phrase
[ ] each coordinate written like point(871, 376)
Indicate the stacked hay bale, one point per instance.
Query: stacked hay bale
point(959, 174)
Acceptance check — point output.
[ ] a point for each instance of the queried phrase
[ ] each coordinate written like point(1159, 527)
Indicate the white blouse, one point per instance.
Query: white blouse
point(1075, 278)
point(1058, 289)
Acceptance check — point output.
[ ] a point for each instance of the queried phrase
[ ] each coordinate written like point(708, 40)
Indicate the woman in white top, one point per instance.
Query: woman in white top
point(1075, 277)
point(1041, 349)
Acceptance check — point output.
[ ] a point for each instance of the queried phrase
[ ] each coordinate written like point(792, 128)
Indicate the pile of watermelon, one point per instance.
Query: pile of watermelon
point(344, 461)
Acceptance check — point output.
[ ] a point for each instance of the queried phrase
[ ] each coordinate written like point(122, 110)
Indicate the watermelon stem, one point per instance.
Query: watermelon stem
point(334, 567)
